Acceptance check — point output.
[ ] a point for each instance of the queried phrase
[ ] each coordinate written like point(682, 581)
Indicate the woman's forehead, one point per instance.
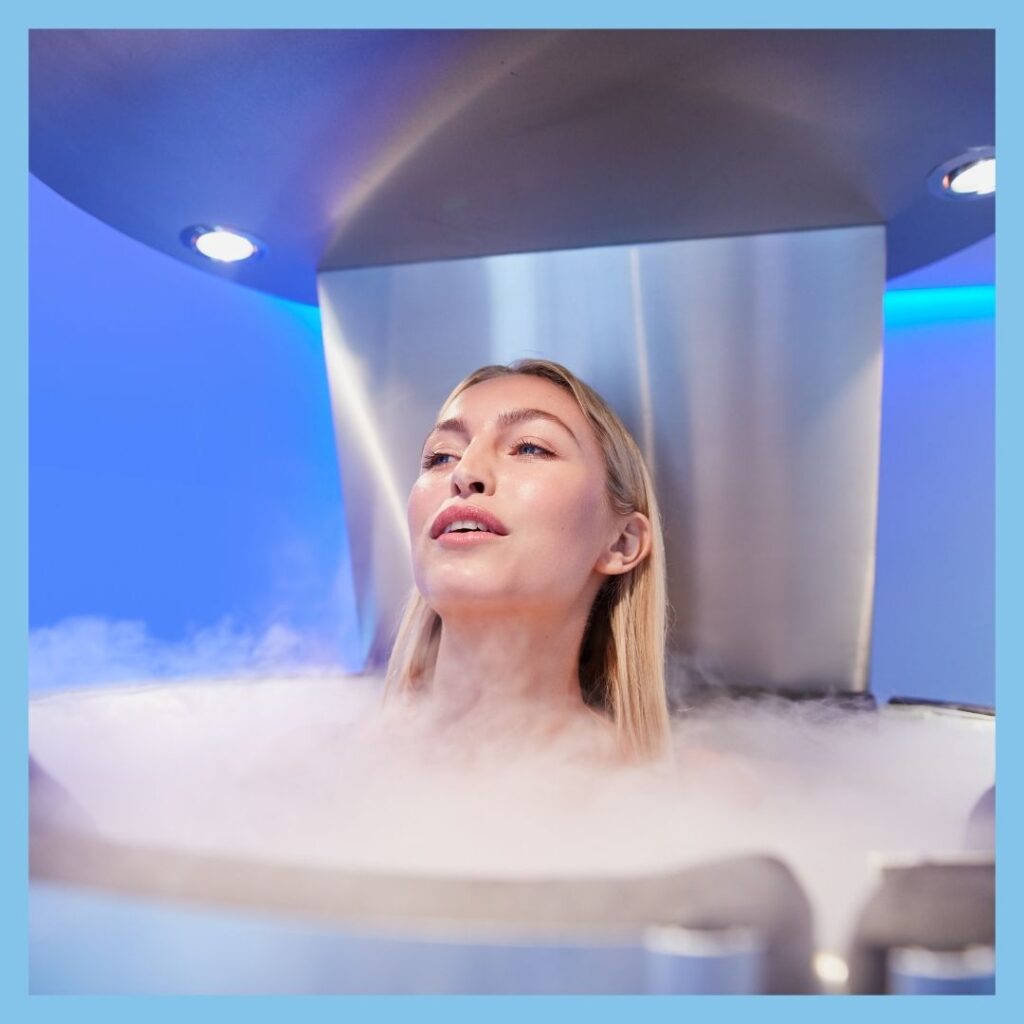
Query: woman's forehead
point(488, 399)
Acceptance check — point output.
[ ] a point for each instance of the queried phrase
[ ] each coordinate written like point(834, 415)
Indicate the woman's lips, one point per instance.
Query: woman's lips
point(470, 539)
point(459, 513)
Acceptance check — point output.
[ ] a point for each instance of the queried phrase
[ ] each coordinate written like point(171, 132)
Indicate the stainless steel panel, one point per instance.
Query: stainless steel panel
point(749, 370)
point(90, 942)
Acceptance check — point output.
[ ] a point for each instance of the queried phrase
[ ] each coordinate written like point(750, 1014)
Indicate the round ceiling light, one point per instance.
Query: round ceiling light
point(972, 175)
point(977, 179)
point(223, 245)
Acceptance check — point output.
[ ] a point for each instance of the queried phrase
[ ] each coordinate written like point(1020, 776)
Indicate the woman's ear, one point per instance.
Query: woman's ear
point(630, 546)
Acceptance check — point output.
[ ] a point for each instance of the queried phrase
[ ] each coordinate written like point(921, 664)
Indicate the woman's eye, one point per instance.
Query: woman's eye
point(434, 459)
point(528, 448)
point(537, 449)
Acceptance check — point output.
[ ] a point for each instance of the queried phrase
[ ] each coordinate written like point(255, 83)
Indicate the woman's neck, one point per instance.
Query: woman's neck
point(507, 669)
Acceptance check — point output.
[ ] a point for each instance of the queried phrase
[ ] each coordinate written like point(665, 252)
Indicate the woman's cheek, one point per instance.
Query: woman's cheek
point(419, 505)
point(577, 519)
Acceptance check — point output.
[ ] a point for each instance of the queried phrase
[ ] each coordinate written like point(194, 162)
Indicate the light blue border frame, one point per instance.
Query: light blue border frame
point(522, 14)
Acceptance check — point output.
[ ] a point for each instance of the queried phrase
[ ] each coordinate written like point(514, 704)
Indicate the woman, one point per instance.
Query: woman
point(537, 553)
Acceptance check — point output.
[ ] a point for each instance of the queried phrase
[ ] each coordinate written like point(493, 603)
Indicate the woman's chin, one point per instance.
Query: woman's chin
point(472, 603)
point(476, 598)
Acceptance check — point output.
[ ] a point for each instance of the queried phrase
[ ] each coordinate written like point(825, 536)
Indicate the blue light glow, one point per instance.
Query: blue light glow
point(913, 306)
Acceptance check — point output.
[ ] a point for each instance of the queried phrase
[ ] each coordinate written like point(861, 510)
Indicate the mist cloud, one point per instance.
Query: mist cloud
point(87, 650)
point(305, 770)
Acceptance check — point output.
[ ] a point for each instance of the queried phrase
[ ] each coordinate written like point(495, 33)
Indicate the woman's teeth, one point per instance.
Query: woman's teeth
point(466, 524)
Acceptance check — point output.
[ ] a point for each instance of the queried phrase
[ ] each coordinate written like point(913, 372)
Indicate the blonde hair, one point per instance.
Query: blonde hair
point(622, 656)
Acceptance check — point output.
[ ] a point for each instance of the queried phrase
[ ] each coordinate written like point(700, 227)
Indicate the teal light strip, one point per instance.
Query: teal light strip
point(905, 308)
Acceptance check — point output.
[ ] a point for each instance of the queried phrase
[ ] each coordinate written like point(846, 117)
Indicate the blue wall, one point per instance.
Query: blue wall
point(183, 470)
point(182, 466)
point(934, 623)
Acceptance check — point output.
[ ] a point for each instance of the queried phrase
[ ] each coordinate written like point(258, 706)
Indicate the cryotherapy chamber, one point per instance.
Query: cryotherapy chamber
point(700, 224)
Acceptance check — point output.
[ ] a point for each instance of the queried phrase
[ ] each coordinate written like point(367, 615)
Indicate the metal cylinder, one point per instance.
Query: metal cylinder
point(689, 961)
point(916, 971)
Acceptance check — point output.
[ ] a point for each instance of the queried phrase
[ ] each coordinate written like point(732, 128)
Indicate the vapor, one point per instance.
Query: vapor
point(306, 769)
point(86, 650)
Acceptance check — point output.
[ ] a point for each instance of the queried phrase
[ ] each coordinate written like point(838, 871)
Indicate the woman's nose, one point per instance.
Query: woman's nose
point(473, 474)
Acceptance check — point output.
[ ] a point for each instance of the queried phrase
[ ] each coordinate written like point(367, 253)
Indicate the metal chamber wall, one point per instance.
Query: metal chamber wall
point(749, 370)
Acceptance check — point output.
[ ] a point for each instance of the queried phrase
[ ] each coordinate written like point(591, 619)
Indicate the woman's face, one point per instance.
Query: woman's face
point(516, 454)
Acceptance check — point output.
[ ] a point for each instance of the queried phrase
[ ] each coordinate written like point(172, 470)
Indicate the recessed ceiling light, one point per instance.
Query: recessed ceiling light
point(977, 179)
point(972, 175)
point(223, 245)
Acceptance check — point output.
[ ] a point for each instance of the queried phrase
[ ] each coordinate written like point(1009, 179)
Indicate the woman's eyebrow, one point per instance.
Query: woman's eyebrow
point(513, 416)
point(508, 418)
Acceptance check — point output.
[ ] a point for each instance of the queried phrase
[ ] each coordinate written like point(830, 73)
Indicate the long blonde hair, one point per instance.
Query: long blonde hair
point(622, 656)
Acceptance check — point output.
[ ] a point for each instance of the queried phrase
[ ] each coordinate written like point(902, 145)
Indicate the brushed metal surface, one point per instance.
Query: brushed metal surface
point(749, 369)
